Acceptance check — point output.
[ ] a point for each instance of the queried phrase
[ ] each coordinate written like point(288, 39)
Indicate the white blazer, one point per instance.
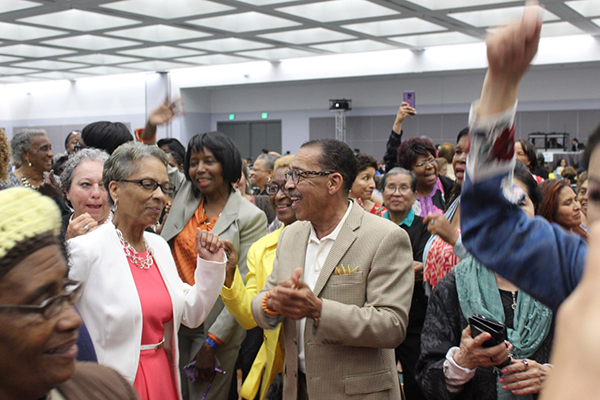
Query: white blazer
point(110, 305)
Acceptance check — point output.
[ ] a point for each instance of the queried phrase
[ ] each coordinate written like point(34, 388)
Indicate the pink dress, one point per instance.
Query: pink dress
point(154, 379)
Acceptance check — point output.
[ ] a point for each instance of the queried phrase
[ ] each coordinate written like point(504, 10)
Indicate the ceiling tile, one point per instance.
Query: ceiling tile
point(9, 59)
point(395, 27)
point(596, 21)
point(24, 32)
point(215, 59)
point(161, 52)
point(19, 79)
point(90, 42)
point(156, 65)
point(452, 4)
point(355, 46)
point(60, 75)
point(277, 54)
point(560, 29)
point(168, 9)
point(225, 45)
point(496, 17)
point(244, 22)
point(158, 33)
point(339, 10)
point(435, 39)
point(49, 64)
point(264, 2)
point(304, 36)
point(80, 20)
point(14, 71)
point(101, 59)
point(587, 8)
point(104, 70)
point(14, 5)
point(27, 50)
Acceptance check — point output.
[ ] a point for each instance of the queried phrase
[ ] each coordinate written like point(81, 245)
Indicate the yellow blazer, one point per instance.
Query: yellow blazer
point(238, 300)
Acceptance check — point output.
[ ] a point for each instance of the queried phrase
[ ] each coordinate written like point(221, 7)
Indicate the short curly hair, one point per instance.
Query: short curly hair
point(21, 142)
point(365, 161)
point(4, 155)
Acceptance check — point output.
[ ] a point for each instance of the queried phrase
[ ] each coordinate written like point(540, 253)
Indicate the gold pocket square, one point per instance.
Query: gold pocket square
point(341, 270)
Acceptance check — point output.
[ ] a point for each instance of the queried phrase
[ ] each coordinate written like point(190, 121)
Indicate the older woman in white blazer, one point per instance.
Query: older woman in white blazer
point(133, 300)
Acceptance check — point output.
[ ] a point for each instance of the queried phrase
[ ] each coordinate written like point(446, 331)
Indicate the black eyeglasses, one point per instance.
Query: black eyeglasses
point(50, 307)
point(151, 184)
point(273, 188)
point(296, 174)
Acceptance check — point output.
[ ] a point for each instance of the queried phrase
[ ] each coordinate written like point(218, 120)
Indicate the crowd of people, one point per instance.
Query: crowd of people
point(131, 268)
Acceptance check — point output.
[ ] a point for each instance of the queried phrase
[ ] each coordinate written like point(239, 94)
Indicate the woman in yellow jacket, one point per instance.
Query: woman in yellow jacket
point(238, 298)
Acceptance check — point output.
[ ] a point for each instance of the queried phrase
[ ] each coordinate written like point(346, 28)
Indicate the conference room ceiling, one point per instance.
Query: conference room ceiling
point(72, 39)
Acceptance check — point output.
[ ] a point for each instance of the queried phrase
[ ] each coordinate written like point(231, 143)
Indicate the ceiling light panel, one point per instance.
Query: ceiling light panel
point(596, 21)
point(104, 70)
point(156, 65)
point(215, 59)
point(15, 71)
point(587, 8)
point(355, 46)
point(49, 64)
point(304, 36)
point(451, 4)
point(159, 33)
point(277, 54)
point(560, 29)
point(244, 22)
point(161, 52)
point(168, 9)
point(23, 32)
point(80, 20)
point(90, 42)
point(27, 50)
point(60, 75)
point(496, 17)
point(264, 2)
point(338, 10)
point(100, 59)
point(9, 59)
point(225, 45)
point(435, 39)
point(14, 5)
point(395, 27)
point(19, 79)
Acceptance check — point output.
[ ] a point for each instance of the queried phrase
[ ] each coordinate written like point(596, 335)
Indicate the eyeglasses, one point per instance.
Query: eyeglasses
point(151, 184)
point(273, 188)
point(400, 189)
point(296, 174)
point(78, 146)
point(431, 161)
point(50, 307)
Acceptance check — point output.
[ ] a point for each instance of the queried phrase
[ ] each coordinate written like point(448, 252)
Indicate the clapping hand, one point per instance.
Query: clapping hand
point(209, 246)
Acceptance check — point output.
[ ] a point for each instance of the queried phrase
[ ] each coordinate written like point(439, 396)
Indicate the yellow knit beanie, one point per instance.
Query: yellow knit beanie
point(25, 213)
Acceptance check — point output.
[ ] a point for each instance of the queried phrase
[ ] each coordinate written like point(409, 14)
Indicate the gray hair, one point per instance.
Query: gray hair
point(124, 161)
point(398, 171)
point(77, 158)
point(21, 142)
point(269, 160)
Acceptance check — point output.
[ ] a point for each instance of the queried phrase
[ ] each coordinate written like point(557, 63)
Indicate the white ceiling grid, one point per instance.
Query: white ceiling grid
point(71, 39)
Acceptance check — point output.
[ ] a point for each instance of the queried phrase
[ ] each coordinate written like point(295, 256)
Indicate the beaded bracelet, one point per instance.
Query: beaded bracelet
point(264, 305)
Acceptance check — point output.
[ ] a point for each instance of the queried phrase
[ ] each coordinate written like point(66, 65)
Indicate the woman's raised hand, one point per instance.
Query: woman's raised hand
point(209, 246)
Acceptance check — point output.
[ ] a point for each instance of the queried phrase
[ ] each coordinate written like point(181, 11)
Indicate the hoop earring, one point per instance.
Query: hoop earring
point(29, 163)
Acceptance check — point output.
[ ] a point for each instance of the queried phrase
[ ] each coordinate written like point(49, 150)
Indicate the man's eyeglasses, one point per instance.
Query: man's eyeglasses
point(296, 174)
point(273, 188)
point(50, 307)
point(151, 184)
point(424, 163)
point(401, 189)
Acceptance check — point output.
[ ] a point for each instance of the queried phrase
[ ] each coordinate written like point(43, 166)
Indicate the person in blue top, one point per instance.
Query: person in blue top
point(541, 258)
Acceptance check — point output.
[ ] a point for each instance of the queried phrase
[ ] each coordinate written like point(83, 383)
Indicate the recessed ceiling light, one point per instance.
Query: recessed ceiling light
point(277, 54)
point(158, 33)
point(27, 50)
point(395, 27)
point(587, 8)
point(452, 4)
point(338, 10)
point(244, 22)
point(225, 45)
point(355, 46)
point(304, 36)
point(14, 5)
point(168, 9)
point(435, 39)
point(156, 65)
point(214, 59)
point(79, 20)
point(102, 59)
point(497, 17)
point(14, 71)
point(24, 32)
point(49, 64)
point(90, 42)
point(161, 52)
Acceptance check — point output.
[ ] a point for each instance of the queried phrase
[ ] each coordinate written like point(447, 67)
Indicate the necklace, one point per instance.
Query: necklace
point(133, 256)
point(514, 298)
point(26, 183)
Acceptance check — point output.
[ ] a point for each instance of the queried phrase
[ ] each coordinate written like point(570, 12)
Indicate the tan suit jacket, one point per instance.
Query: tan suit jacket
point(364, 314)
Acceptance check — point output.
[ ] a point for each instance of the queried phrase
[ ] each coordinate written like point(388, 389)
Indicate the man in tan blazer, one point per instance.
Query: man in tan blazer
point(341, 285)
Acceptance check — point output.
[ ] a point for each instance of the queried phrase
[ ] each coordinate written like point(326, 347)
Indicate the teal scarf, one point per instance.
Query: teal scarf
point(478, 294)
